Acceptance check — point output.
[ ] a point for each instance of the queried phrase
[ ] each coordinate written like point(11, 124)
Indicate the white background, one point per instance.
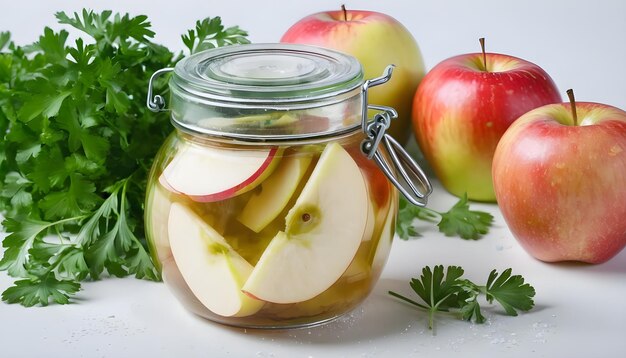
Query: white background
point(581, 44)
point(580, 308)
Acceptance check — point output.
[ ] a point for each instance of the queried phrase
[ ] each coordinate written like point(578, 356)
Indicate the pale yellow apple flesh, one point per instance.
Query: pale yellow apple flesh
point(207, 174)
point(371, 222)
point(213, 271)
point(158, 207)
point(379, 257)
point(276, 190)
point(323, 232)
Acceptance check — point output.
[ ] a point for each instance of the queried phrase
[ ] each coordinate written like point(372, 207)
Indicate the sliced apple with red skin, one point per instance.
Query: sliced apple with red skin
point(207, 174)
point(276, 190)
point(213, 271)
point(378, 184)
point(323, 232)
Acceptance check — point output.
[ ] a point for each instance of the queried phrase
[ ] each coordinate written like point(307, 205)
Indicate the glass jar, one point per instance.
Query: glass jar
point(263, 207)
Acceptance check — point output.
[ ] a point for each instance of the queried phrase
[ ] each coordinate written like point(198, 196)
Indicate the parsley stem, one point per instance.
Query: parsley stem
point(62, 221)
point(58, 260)
point(408, 300)
point(428, 214)
point(435, 307)
point(59, 234)
point(123, 198)
point(56, 224)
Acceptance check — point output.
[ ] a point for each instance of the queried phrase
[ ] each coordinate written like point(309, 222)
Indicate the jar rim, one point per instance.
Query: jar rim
point(253, 139)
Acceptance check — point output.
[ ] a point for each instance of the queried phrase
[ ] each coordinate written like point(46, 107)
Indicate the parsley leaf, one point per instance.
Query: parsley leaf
point(30, 292)
point(77, 199)
point(19, 242)
point(470, 309)
point(444, 293)
point(458, 221)
point(510, 291)
point(462, 221)
point(74, 154)
point(5, 38)
point(439, 293)
point(407, 212)
point(16, 191)
point(210, 33)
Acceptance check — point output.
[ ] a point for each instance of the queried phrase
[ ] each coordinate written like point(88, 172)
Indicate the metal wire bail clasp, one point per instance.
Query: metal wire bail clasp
point(156, 103)
point(412, 182)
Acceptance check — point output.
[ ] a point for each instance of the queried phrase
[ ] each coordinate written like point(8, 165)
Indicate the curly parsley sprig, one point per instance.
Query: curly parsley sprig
point(446, 292)
point(459, 220)
point(210, 33)
point(76, 144)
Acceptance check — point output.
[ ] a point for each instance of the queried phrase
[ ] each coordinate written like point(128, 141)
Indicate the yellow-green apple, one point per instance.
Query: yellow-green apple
point(376, 40)
point(561, 182)
point(211, 268)
point(462, 108)
point(207, 174)
point(323, 232)
point(276, 191)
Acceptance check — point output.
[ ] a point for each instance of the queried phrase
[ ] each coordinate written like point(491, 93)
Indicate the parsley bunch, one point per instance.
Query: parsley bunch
point(76, 144)
point(441, 292)
point(459, 220)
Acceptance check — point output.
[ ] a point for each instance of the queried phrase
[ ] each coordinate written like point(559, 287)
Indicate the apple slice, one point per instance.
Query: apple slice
point(276, 190)
point(371, 222)
point(213, 271)
point(379, 257)
point(208, 174)
point(158, 210)
point(323, 232)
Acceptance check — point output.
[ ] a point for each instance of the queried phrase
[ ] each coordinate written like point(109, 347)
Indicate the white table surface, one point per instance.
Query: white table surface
point(580, 309)
point(579, 312)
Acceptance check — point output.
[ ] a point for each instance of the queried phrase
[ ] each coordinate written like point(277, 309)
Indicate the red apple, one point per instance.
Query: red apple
point(561, 182)
point(376, 40)
point(462, 108)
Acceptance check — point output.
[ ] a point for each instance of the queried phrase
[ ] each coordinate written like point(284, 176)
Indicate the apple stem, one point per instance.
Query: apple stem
point(482, 47)
point(572, 102)
point(345, 12)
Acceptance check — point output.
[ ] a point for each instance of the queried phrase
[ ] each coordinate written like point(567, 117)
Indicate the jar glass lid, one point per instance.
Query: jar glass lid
point(262, 93)
point(267, 92)
point(270, 73)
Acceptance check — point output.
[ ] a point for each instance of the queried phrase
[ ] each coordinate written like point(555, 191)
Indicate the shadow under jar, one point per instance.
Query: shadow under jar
point(273, 203)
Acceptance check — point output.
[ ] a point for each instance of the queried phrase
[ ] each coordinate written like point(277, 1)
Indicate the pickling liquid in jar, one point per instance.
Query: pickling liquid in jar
point(303, 245)
point(262, 209)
